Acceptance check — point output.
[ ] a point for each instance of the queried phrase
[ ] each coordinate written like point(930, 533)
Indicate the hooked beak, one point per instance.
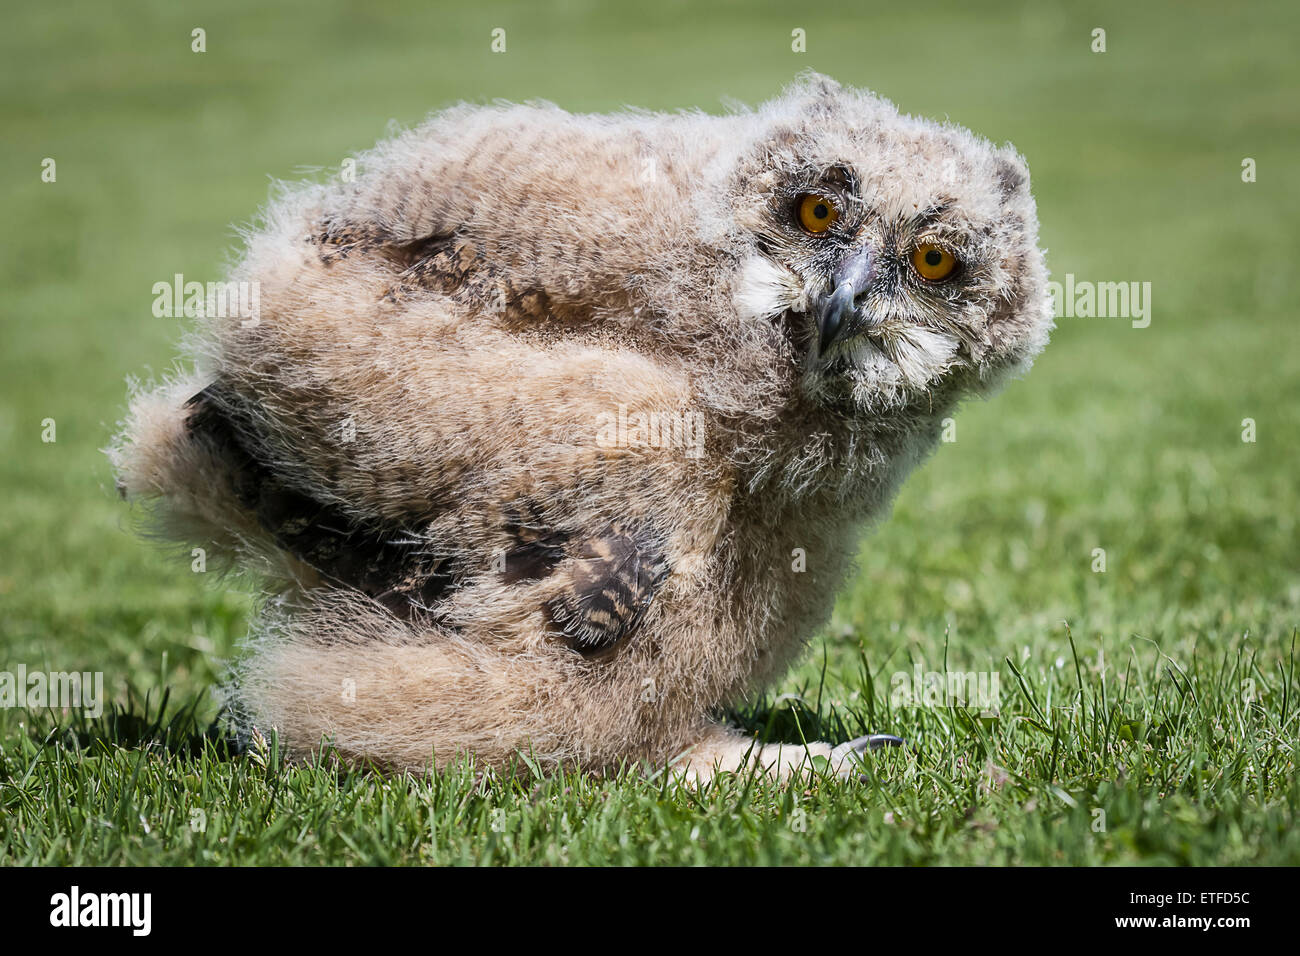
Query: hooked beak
point(837, 311)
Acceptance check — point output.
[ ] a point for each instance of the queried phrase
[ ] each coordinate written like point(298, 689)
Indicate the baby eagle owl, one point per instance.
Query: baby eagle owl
point(556, 433)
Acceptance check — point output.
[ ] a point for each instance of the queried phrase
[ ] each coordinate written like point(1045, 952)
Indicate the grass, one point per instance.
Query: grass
point(1148, 712)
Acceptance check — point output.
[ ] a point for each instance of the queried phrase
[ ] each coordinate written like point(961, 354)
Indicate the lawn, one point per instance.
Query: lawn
point(1148, 711)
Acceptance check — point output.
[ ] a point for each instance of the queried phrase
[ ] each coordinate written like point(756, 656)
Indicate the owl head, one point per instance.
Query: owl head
point(899, 255)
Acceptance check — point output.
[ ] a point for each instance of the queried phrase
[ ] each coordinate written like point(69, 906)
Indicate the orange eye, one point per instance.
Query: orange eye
point(817, 212)
point(932, 263)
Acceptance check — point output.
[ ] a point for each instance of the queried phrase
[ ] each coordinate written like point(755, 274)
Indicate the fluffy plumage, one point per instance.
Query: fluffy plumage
point(407, 445)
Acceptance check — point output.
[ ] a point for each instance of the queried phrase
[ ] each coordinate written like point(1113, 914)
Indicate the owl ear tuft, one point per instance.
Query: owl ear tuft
point(817, 84)
point(1011, 173)
point(783, 137)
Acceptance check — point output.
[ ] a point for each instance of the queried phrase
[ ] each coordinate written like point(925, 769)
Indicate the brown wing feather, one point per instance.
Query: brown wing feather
point(447, 263)
point(613, 578)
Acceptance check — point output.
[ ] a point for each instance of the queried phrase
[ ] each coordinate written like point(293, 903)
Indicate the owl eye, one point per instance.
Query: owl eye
point(817, 212)
point(933, 263)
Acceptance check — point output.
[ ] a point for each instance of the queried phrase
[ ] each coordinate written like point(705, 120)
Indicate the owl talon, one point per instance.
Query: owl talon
point(845, 756)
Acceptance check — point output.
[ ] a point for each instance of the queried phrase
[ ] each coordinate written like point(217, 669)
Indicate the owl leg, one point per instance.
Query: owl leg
point(725, 749)
point(331, 666)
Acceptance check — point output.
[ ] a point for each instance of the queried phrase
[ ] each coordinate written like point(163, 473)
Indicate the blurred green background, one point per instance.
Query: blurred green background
point(1123, 439)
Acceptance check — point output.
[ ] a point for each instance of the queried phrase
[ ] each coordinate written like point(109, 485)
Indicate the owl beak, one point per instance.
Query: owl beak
point(832, 315)
point(837, 313)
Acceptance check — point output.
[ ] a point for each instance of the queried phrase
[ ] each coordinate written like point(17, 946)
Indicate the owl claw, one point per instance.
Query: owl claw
point(845, 757)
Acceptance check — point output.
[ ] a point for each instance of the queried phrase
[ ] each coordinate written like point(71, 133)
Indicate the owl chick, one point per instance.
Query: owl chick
point(556, 433)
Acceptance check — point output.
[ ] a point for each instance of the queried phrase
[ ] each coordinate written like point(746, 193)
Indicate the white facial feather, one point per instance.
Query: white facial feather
point(765, 289)
point(920, 355)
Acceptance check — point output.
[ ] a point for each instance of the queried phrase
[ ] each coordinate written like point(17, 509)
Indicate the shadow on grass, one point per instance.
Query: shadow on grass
point(807, 716)
point(140, 724)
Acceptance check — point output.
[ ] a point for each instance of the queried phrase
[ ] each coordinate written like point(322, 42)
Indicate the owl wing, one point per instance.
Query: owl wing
point(610, 578)
point(450, 263)
point(612, 581)
point(381, 560)
point(404, 307)
point(525, 212)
